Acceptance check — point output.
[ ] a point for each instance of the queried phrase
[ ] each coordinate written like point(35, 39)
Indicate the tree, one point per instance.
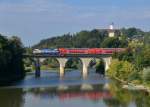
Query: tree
point(146, 56)
point(146, 75)
point(100, 67)
point(130, 32)
point(11, 59)
point(114, 42)
point(126, 55)
point(121, 69)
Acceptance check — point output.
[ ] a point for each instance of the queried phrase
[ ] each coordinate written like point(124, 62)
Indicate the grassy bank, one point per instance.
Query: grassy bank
point(133, 86)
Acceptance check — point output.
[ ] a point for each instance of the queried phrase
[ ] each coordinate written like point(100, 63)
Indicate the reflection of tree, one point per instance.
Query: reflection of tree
point(112, 102)
point(11, 98)
point(43, 92)
point(120, 97)
point(141, 99)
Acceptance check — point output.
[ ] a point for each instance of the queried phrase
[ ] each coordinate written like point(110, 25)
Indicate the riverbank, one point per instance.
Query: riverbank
point(131, 86)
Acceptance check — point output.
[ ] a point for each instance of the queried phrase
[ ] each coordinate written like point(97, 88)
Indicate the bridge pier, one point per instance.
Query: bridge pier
point(37, 67)
point(62, 63)
point(86, 87)
point(107, 62)
point(85, 62)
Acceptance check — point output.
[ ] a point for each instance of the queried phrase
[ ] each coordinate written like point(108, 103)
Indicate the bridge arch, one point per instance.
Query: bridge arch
point(106, 61)
point(50, 62)
point(98, 65)
point(44, 64)
point(74, 63)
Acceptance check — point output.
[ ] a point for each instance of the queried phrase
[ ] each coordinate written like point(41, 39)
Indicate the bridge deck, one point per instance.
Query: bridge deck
point(69, 55)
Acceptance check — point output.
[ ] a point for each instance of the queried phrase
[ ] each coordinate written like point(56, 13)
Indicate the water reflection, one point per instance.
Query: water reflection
point(11, 97)
point(126, 98)
point(72, 96)
point(102, 93)
point(72, 92)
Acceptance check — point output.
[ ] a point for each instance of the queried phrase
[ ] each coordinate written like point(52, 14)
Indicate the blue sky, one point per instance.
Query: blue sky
point(33, 20)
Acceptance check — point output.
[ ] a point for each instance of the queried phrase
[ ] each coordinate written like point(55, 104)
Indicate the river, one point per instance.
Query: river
point(71, 91)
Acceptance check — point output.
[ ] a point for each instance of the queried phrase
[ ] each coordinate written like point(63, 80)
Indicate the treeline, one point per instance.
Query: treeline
point(11, 60)
point(82, 39)
point(90, 39)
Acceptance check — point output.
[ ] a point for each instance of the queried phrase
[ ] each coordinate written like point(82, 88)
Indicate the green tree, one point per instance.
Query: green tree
point(121, 69)
point(114, 42)
point(11, 59)
point(130, 32)
point(100, 67)
point(146, 75)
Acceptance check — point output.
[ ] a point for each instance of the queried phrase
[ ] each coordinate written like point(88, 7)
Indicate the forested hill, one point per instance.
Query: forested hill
point(78, 40)
point(89, 39)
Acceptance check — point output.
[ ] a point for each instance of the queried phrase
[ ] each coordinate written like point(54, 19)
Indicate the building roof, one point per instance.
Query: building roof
point(109, 30)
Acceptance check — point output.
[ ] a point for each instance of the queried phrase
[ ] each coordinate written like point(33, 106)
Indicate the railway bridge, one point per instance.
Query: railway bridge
point(85, 59)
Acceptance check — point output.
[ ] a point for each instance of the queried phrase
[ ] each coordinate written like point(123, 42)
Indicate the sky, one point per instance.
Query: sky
point(34, 20)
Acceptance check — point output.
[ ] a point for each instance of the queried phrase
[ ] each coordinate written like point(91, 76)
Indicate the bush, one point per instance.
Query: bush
point(136, 82)
point(121, 69)
point(146, 75)
point(135, 76)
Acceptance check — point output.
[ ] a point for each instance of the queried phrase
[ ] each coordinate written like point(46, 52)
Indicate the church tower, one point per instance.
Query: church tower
point(111, 31)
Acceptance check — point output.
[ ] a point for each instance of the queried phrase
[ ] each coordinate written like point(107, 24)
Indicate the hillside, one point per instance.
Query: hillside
point(88, 39)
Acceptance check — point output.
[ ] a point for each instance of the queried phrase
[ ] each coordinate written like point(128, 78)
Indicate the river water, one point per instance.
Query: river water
point(71, 91)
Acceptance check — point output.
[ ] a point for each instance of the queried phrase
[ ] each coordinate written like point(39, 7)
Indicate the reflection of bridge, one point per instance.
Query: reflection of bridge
point(97, 92)
point(93, 95)
point(85, 59)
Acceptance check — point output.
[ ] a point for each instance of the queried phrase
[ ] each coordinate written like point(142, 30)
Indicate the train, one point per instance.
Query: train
point(74, 51)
